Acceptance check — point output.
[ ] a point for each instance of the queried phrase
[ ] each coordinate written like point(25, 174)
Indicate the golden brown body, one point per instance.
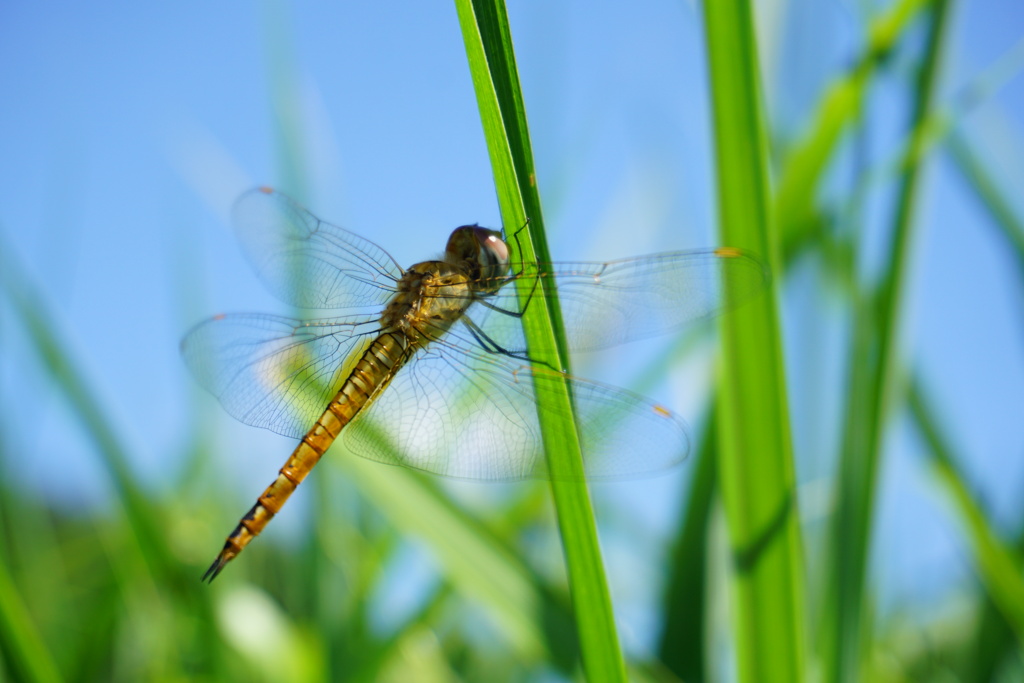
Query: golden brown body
point(431, 297)
point(467, 408)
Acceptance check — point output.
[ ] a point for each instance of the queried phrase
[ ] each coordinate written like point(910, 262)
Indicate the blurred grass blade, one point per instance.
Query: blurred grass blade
point(19, 640)
point(873, 375)
point(998, 567)
point(373, 664)
point(286, 99)
point(755, 453)
point(992, 197)
point(476, 563)
point(288, 103)
point(32, 313)
point(805, 164)
point(995, 639)
point(940, 123)
point(147, 559)
point(683, 639)
point(488, 40)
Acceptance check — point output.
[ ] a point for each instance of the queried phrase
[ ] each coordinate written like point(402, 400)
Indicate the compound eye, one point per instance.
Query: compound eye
point(493, 250)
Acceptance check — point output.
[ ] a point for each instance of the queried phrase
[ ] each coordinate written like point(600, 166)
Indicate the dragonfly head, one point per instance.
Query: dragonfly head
point(483, 252)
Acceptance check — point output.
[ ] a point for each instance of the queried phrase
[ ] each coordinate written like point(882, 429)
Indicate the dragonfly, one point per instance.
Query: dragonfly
point(428, 367)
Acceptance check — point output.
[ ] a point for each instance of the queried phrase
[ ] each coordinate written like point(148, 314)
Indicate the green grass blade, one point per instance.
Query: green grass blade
point(286, 99)
point(935, 128)
point(146, 561)
point(992, 197)
point(290, 118)
point(806, 162)
point(994, 638)
point(755, 452)
point(373, 664)
point(683, 639)
point(998, 566)
point(491, 59)
point(31, 312)
point(873, 369)
point(475, 562)
point(19, 640)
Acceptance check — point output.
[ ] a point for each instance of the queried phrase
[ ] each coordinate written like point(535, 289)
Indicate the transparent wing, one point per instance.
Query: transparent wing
point(604, 304)
point(307, 262)
point(469, 414)
point(274, 372)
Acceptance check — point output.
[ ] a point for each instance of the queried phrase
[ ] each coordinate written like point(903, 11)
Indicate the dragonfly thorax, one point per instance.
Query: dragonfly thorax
point(431, 297)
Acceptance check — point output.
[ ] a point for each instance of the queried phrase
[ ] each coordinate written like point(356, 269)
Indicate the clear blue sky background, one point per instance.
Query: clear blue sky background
point(128, 129)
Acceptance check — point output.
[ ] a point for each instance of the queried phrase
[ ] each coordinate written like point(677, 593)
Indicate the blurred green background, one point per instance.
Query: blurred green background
point(126, 133)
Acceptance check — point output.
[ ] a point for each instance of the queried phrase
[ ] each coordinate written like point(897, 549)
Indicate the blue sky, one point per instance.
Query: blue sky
point(128, 129)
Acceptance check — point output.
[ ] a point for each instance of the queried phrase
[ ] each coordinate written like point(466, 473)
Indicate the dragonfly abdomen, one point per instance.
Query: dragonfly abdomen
point(371, 374)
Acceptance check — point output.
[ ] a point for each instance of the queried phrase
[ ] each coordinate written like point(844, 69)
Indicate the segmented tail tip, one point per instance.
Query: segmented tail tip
point(216, 568)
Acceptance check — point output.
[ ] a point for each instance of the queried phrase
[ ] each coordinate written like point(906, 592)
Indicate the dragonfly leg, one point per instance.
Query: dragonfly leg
point(512, 278)
point(504, 311)
point(491, 346)
point(515, 235)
